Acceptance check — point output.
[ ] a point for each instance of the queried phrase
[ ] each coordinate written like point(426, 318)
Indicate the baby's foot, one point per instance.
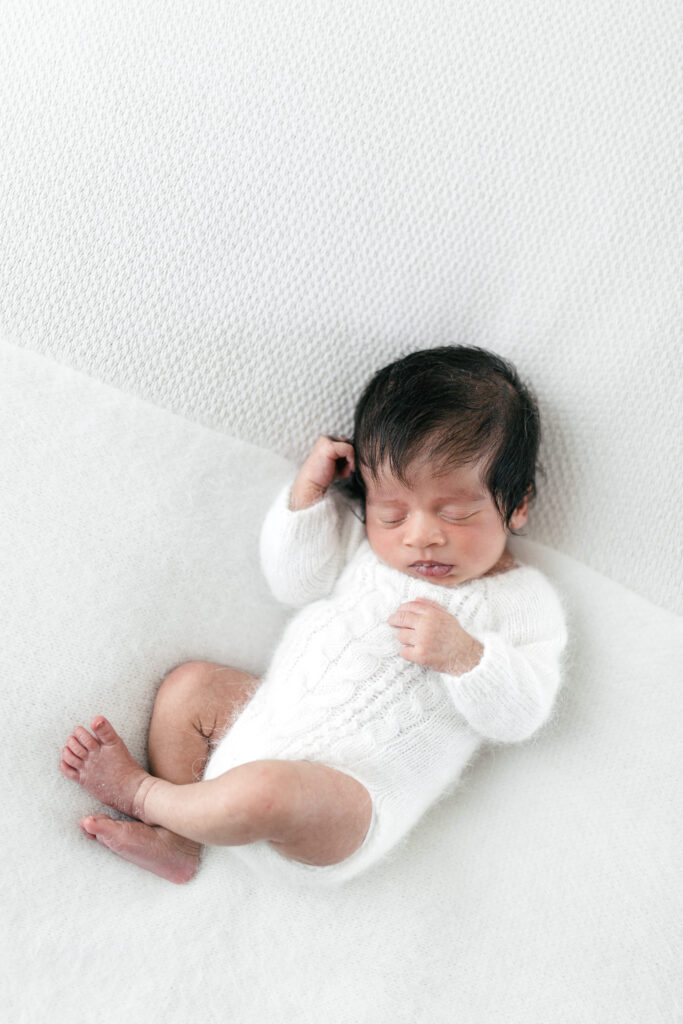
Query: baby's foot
point(153, 848)
point(103, 765)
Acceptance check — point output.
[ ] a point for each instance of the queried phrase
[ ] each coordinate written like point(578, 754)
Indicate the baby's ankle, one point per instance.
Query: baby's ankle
point(140, 799)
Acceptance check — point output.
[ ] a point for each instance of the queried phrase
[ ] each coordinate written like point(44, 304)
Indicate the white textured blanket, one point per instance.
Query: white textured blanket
point(544, 889)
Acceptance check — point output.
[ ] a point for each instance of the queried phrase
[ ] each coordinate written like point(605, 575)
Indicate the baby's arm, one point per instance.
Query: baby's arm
point(308, 534)
point(504, 682)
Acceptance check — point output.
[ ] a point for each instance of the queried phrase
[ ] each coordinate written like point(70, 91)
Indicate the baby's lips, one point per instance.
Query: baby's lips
point(431, 568)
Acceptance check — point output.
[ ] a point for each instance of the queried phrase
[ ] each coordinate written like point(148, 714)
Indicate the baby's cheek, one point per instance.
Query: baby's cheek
point(383, 543)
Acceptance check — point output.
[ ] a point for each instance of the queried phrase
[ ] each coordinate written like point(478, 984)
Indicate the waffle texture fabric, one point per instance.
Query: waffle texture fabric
point(241, 211)
point(338, 692)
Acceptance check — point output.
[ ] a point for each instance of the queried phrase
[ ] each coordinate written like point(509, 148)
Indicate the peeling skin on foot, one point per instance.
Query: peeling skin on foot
point(150, 847)
point(102, 764)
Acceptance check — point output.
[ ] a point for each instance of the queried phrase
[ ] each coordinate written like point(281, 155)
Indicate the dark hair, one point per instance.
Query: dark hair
point(463, 404)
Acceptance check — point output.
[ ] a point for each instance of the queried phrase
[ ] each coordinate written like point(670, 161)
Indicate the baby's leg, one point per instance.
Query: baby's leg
point(307, 811)
point(195, 704)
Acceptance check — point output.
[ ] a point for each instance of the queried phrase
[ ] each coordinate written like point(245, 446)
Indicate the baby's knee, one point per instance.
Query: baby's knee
point(184, 681)
point(260, 796)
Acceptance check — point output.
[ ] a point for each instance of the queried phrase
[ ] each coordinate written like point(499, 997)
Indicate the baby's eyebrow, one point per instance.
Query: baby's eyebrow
point(456, 498)
point(463, 497)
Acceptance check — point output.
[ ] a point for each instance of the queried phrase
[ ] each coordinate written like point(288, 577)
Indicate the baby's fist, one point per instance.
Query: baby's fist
point(431, 636)
point(331, 458)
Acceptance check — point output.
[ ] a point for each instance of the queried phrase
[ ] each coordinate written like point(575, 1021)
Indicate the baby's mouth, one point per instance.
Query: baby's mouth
point(431, 568)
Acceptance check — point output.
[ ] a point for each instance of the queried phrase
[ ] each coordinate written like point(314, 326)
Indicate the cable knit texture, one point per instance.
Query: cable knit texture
point(338, 692)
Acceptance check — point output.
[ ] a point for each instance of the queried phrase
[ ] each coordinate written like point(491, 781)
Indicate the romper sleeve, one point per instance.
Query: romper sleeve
point(302, 552)
point(511, 692)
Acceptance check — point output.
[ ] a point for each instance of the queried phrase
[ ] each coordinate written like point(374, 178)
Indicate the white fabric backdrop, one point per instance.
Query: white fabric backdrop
point(240, 210)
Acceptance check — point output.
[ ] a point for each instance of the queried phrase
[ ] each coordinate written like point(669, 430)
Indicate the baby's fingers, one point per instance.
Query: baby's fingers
point(402, 619)
point(406, 637)
point(342, 451)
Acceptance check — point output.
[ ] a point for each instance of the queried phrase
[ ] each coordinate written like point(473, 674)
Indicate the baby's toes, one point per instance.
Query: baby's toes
point(84, 738)
point(89, 824)
point(68, 771)
point(104, 730)
point(73, 760)
point(76, 747)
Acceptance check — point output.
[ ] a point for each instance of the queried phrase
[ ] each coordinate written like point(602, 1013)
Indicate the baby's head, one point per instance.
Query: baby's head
point(446, 443)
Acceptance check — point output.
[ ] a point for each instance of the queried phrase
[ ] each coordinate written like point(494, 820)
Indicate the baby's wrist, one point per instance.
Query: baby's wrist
point(304, 494)
point(468, 655)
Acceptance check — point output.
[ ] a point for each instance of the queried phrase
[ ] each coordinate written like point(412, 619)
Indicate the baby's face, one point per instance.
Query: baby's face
point(445, 528)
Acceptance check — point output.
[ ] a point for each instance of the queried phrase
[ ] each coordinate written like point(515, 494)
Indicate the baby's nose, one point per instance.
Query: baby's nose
point(423, 531)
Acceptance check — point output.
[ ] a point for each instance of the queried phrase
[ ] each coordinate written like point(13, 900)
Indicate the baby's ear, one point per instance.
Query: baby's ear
point(521, 514)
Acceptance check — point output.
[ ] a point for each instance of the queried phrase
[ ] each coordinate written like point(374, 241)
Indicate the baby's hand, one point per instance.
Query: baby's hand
point(429, 635)
point(331, 458)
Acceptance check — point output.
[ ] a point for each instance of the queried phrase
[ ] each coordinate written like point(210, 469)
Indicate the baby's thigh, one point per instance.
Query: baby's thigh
point(328, 814)
point(205, 694)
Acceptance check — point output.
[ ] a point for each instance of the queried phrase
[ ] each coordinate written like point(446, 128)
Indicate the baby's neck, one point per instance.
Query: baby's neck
point(506, 562)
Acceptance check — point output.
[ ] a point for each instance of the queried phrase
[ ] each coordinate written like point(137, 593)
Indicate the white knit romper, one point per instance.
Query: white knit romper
point(337, 691)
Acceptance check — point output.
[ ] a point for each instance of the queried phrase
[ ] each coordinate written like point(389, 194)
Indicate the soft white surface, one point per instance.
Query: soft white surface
point(546, 890)
point(239, 210)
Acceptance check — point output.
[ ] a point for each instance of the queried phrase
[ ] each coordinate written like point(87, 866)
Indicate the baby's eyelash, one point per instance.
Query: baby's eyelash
point(449, 519)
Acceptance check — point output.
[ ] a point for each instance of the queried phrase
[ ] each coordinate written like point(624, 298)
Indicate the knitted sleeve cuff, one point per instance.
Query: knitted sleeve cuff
point(510, 693)
point(303, 551)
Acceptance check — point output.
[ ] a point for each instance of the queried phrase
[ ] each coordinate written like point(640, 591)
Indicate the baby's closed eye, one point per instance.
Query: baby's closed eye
point(455, 516)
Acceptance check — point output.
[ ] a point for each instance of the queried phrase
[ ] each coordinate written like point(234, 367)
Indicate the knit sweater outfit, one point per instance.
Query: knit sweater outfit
point(337, 691)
